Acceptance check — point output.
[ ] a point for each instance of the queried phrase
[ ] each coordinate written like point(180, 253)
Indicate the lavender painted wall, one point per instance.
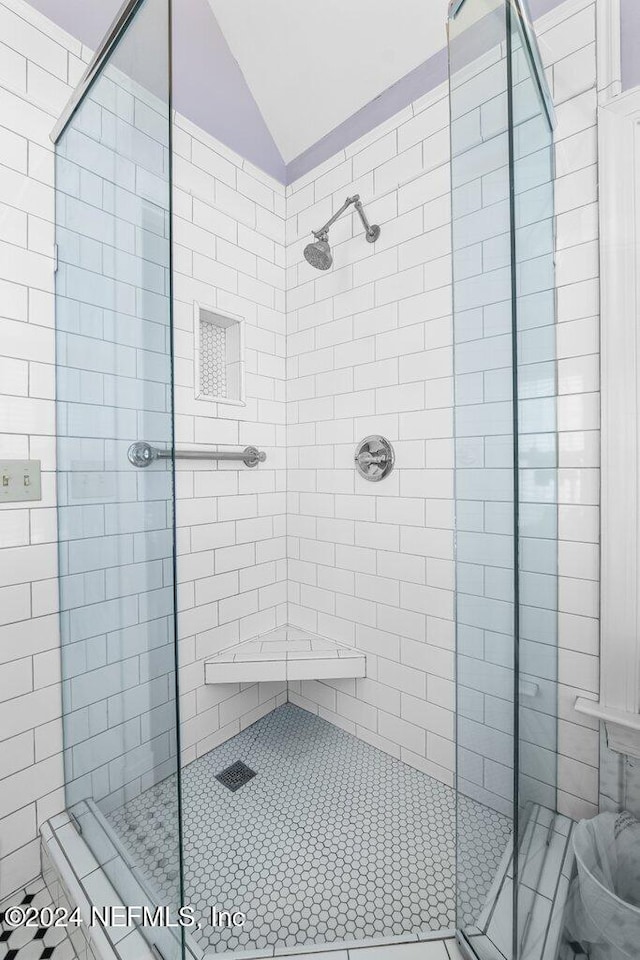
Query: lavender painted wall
point(210, 89)
point(87, 20)
point(424, 78)
point(538, 8)
point(630, 10)
point(208, 85)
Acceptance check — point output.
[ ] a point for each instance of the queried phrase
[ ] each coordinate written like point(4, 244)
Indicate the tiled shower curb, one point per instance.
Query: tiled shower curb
point(72, 873)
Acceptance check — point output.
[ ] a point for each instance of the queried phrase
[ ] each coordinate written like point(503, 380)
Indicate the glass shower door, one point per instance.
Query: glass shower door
point(485, 482)
point(541, 833)
point(116, 522)
point(506, 464)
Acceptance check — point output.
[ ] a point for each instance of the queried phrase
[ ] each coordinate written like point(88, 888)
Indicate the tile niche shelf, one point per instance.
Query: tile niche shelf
point(219, 357)
point(287, 653)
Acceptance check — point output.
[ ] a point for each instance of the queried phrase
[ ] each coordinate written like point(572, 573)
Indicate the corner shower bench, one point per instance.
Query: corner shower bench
point(287, 653)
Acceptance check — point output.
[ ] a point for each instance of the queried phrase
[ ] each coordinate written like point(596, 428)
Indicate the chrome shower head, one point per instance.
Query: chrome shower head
point(318, 254)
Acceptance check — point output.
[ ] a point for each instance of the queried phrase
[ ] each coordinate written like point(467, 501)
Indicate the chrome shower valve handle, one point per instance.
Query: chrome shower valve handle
point(374, 458)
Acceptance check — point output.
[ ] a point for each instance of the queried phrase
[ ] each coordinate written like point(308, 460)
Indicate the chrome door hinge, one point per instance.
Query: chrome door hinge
point(75, 822)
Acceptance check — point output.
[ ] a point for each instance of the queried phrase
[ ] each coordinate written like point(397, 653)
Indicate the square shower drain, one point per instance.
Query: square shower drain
point(236, 775)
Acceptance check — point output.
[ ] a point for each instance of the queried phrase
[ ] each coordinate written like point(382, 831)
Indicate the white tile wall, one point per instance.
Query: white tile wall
point(567, 42)
point(232, 568)
point(39, 69)
point(483, 422)
point(368, 349)
point(229, 231)
point(113, 316)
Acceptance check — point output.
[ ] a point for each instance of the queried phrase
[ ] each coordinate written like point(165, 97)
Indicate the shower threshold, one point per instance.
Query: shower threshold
point(74, 879)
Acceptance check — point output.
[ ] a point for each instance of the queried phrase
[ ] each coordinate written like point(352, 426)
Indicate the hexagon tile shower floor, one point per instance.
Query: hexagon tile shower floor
point(331, 840)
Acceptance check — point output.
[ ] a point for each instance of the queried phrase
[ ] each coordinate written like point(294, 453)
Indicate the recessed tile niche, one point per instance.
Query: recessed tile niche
point(219, 356)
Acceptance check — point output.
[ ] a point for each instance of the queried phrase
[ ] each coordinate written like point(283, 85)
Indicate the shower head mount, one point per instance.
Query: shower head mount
point(318, 253)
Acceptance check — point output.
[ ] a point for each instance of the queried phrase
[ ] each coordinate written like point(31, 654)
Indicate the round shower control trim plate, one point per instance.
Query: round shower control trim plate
point(374, 458)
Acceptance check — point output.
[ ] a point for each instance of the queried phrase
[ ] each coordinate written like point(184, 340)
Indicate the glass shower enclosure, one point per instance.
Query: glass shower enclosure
point(506, 475)
point(117, 545)
point(116, 524)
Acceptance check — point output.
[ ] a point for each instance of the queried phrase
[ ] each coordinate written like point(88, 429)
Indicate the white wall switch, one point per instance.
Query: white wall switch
point(20, 480)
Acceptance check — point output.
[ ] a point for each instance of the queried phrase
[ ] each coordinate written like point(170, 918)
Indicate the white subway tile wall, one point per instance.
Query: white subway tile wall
point(484, 428)
point(113, 389)
point(368, 349)
point(568, 46)
point(40, 66)
point(232, 567)
point(483, 416)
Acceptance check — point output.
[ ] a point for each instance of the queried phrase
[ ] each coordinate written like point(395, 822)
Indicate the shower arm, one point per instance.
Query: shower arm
point(322, 233)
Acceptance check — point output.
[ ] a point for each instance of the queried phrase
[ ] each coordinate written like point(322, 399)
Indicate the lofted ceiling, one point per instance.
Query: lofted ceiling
point(311, 65)
point(272, 78)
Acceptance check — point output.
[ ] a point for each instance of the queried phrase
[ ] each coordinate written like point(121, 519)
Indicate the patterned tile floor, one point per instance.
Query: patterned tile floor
point(32, 943)
point(331, 840)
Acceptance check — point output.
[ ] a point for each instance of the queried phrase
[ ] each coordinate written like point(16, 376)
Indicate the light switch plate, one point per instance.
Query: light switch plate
point(20, 480)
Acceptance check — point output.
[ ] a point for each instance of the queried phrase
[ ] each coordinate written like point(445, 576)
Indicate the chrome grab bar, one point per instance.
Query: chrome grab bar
point(141, 454)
